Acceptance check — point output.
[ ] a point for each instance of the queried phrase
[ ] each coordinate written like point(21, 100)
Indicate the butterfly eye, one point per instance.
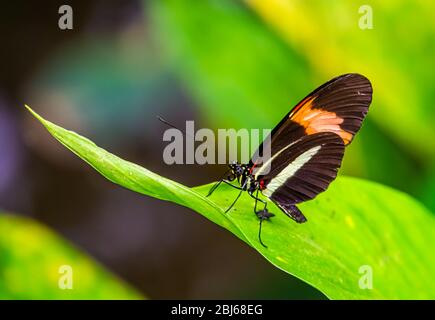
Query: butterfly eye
point(231, 176)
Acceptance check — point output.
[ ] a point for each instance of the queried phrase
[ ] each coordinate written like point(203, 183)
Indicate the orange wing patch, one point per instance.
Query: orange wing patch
point(316, 120)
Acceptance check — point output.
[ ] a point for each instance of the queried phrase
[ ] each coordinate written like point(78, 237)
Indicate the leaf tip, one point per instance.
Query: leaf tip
point(37, 116)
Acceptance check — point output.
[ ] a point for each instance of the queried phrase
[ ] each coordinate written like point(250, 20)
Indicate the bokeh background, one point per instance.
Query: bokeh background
point(222, 63)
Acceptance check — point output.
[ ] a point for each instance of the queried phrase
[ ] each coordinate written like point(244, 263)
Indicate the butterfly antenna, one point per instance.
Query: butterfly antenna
point(173, 126)
point(167, 123)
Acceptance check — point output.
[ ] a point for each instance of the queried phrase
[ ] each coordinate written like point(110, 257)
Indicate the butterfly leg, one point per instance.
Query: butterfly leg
point(217, 184)
point(256, 201)
point(238, 196)
point(263, 214)
point(234, 202)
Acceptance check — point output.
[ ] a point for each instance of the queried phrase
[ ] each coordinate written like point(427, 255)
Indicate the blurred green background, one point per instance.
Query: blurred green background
point(222, 63)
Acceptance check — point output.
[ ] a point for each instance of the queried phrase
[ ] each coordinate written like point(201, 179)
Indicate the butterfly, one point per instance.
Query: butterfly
point(306, 148)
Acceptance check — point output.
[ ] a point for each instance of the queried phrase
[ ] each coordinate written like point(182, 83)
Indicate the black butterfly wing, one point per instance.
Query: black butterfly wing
point(339, 106)
point(300, 171)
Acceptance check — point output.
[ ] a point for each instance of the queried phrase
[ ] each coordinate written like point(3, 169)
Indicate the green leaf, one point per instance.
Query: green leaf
point(354, 224)
point(31, 260)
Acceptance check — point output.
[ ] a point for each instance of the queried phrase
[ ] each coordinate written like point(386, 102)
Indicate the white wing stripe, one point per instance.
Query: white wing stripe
point(289, 171)
point(265, 166)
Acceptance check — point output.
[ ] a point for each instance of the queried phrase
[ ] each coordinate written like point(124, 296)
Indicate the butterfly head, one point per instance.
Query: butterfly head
point(237, 170)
